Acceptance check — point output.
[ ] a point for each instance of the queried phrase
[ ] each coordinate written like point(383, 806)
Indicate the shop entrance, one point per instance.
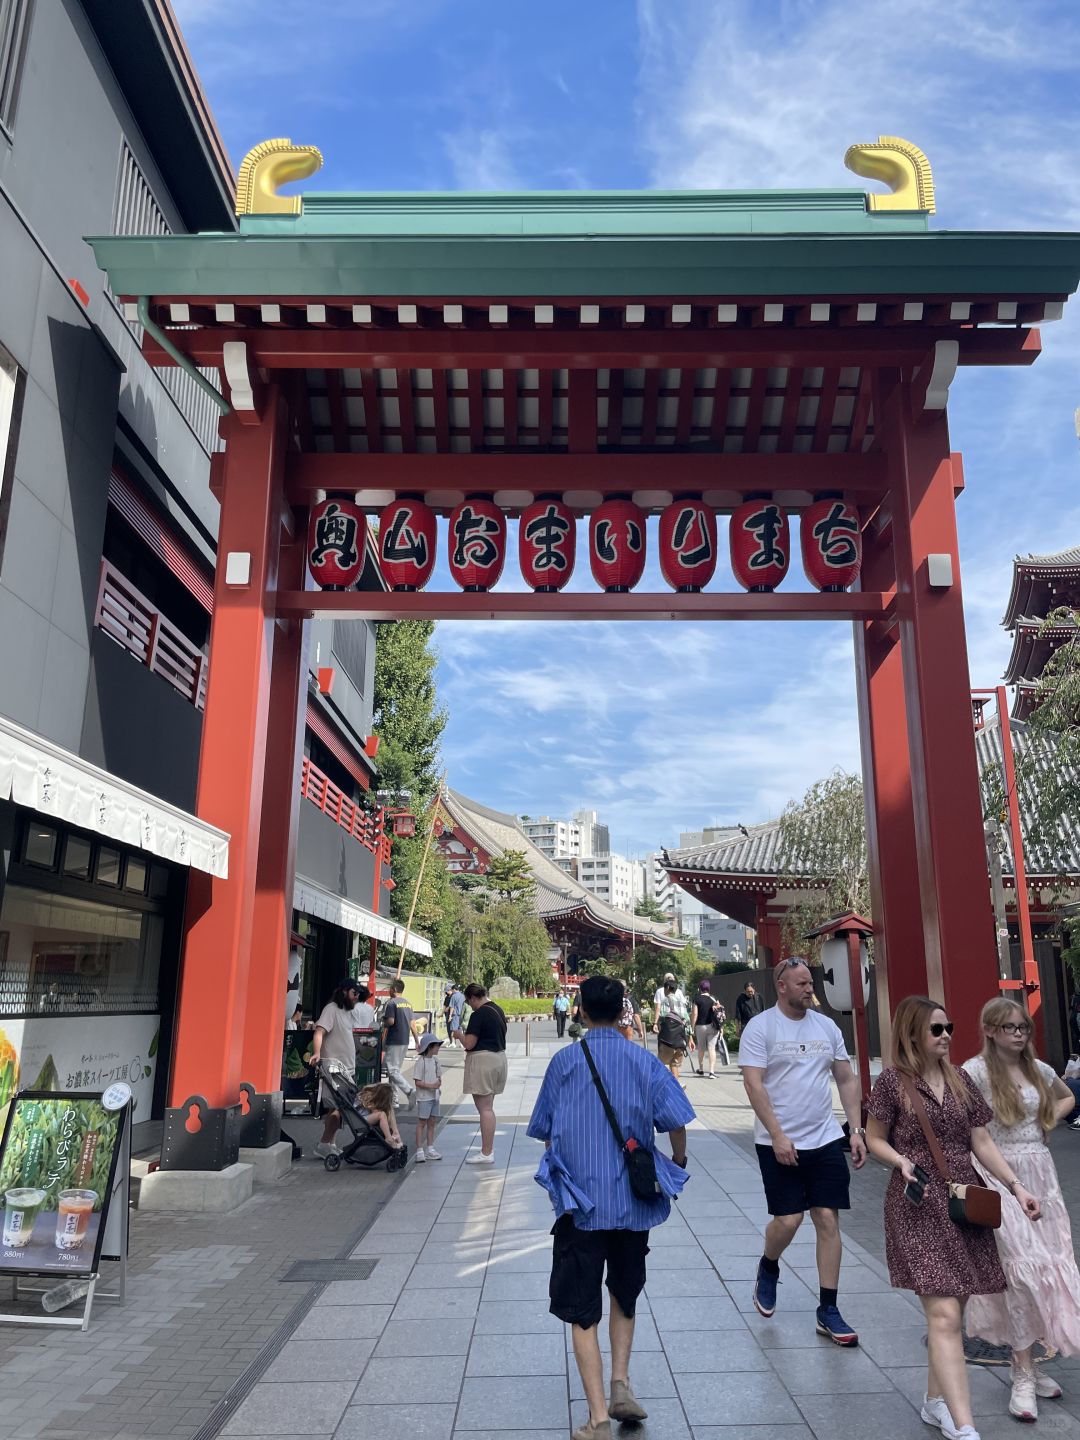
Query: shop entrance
point(494, 359)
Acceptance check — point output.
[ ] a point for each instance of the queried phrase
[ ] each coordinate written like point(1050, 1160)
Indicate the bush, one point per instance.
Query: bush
point(538, 1005)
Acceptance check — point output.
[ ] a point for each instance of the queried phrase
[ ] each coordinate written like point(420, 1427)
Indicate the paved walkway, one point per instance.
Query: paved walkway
point(449, 1334)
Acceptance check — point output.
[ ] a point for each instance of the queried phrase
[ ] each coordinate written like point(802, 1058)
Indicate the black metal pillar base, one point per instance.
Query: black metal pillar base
point(215, 1145)
point(261, 1126)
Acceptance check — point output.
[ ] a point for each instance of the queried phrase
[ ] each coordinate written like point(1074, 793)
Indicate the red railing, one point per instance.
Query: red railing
point(128, 617)
point(363, 825)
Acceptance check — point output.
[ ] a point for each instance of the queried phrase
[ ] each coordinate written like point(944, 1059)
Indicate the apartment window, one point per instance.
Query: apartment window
point(14, 32)
point(136, 212)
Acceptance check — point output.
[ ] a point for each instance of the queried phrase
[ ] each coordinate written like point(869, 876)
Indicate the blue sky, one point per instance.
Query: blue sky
point(665, 728)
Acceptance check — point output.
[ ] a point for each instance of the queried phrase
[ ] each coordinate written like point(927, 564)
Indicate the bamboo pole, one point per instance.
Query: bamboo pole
point(420, 875)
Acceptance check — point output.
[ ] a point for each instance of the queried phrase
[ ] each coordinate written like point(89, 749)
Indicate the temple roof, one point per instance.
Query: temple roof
point(1033, 583)
point(734, 854)
point(557, 894)
point(1034, 641)
point(1045, 759)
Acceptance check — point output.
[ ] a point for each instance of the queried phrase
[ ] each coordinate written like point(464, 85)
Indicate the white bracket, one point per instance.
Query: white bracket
point(942, 373)
point(234, 358)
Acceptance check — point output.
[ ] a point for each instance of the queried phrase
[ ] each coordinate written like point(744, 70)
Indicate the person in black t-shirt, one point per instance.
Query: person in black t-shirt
point(747, 1006)
point(707, 1016)
point(485, 1065)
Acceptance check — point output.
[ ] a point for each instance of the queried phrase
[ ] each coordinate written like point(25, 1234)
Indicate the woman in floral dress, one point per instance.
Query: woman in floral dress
point(942, 1262)
point(1043, 1298)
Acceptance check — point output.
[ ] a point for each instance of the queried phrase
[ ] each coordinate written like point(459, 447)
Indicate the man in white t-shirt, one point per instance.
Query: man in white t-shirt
point(679, 993)
point(789, 1057)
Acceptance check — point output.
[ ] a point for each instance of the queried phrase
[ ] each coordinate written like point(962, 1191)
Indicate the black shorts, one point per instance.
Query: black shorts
point(577, 1271)
point(820, 1180)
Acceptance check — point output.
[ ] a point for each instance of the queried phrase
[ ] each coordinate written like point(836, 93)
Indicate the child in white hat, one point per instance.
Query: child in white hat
point(427, 1077)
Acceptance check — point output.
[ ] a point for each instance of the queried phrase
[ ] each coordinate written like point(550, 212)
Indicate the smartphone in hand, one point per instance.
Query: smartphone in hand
point(916, 1189)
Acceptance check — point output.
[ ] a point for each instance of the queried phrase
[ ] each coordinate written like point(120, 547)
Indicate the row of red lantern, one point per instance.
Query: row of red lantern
point(759, 539)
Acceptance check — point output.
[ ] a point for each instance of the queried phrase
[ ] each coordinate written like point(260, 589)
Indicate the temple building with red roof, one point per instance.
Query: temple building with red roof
point(1041, 584)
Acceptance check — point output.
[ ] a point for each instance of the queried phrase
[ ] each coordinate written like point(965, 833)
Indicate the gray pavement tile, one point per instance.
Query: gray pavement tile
point(854, 1280)
point(700, 1283)
point(436, 1381)
point(837, 1417)
point(691, 1351)
point(650, 1376)
point(429, 1304)
point(289, 1408)
point(500, 1355)
point(513, 1404)
point(513, 1260)
point(716, 1312)
point(667, 1421)
point(645, 1336)
point(559, 1434)
point(793, 1298)
point(449, 1274)
point(303, 1359)
point(894, 1308)
point(466, 1253)
point(381, 1288)
point(406, 1338)
point(741, 1399)
point(396, 1422)
point(828, 1369)
point(755, 1432)
point(524, 1285)
point(515, 1317)
point(353, 1322)
point(894, 1345)
point(1053, 1420)
point(989, 1396)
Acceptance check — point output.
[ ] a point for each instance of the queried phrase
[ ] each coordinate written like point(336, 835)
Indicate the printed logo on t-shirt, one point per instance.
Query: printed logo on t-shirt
point(794, 1049)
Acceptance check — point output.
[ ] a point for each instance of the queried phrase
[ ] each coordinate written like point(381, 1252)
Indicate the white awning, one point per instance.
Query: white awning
point(40, 775)
point(312, 899)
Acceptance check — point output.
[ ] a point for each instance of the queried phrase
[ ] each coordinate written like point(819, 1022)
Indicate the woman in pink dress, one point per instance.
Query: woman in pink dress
point(1042, 1301)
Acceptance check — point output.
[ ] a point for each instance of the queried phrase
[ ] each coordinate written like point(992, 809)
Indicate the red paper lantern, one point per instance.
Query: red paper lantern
point(477, 543)
point(337, 535)
point(760, 544)
point(547, 542)
point(407, 543)
point(687, 545)
point(617, 545)
point(831, 544)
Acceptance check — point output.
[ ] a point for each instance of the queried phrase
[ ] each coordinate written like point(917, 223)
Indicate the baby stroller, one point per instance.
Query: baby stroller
point(368, 1148)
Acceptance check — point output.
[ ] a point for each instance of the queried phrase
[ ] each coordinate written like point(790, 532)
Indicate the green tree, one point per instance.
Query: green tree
point(649, 908)
point(407, 717)
point(823, 840)
point(509, 876)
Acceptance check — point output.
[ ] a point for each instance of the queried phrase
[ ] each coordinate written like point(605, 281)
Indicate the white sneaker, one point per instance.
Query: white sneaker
point(324, 1148)
point(963, 1432)
point(1046, 1387)
point(936, 1412)
point(1022, 1402)
point(480, 1159)
point(420, 1157)
point(433, 1154)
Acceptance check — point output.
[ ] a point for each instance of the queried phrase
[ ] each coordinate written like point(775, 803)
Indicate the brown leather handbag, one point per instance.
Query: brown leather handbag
point(968, 1204)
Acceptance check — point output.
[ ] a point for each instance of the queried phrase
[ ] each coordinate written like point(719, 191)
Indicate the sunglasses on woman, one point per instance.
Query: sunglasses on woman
point(941, 1027)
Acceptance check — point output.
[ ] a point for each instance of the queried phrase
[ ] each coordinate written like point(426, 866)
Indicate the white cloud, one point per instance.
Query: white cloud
point(481, 159)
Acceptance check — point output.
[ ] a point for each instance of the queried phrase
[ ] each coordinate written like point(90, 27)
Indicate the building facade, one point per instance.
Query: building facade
point(571, 839)
point(614, 878)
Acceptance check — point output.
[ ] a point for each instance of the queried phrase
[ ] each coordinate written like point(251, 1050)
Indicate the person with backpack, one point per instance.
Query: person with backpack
point(597, 1113)
point(707, 1018)
point(672, 1028)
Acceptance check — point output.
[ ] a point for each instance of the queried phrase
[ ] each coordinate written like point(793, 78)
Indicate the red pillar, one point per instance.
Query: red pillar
point(215, 994)
point(899, 947)
point(954, 888)
point(276, 872)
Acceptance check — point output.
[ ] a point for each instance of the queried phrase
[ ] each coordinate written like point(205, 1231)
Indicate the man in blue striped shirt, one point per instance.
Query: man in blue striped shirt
point(601, 1222)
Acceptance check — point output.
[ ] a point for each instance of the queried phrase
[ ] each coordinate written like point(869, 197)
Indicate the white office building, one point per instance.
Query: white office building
point(614, 878)
point(571, 839)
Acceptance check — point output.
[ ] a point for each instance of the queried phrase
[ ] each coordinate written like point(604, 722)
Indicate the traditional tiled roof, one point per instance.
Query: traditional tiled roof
point(1033, 643)
point(1033, 580)
point(557, 894)
point(735, 853)
point(1043, 755)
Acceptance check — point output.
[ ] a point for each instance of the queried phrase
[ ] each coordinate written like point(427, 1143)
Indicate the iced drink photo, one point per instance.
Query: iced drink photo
point(73, 1213)
point(20, 1211)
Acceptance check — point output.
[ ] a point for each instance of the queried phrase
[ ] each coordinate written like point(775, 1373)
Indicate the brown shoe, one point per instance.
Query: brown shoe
point(589, 1431)
point(623, 1405)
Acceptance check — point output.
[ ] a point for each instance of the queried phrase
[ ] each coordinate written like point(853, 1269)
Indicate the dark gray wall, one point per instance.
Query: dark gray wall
point(727, 988)
point(330, 856)
point(138, 727)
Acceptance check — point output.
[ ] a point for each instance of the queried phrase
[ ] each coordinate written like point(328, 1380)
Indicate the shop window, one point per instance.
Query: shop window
point(42, 843)
point(14, 33)
point(108, 867)
point(135, 875)
point(78, 855)
point(62, 955)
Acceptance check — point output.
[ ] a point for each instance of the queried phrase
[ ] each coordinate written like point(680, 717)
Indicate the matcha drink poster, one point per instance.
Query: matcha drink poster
point(57, 1163)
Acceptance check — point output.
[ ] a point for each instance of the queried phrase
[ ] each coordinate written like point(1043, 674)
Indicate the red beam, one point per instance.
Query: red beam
point(323, 348)
point(610, 473)
point(594, 605)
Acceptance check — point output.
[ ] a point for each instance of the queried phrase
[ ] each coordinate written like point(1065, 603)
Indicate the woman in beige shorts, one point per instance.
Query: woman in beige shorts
point(484, 1040)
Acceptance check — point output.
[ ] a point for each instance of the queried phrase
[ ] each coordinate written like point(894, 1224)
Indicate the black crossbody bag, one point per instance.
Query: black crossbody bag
point(640, 1163)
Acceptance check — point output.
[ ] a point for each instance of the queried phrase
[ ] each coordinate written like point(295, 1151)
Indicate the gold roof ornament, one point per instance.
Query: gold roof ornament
point(267, 167)
point(902, 166)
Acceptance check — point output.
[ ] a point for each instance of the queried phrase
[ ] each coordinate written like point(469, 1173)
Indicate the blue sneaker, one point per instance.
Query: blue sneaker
point(765, 1292)
point(832, 1325)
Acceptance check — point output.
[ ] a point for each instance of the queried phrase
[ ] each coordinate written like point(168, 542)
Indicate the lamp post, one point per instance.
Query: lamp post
point(851, 931)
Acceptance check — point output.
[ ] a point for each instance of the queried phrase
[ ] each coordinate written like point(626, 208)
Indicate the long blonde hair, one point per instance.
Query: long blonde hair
point(908, 1056)
point(1005, 1099)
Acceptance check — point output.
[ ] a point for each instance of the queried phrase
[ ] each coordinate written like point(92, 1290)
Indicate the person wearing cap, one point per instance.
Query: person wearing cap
point(334, 1041)
point(427, 1077)
point(669, 979)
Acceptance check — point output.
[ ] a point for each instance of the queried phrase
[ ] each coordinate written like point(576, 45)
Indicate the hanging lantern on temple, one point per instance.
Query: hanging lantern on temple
point(336, 540)
point(477, 543)
point(617, 545)
point(759, 537)
point(407, 543)
point(547, 542)
point(831, 544)
point(687, 544)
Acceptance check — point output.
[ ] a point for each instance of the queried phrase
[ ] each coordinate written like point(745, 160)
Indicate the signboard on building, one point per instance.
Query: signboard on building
point(57, 1172)
point(80, 1053)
